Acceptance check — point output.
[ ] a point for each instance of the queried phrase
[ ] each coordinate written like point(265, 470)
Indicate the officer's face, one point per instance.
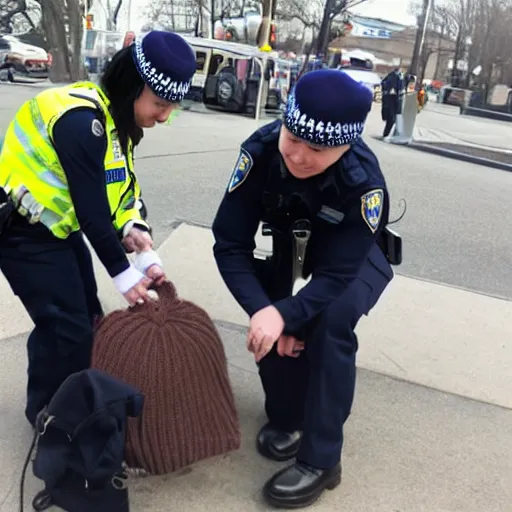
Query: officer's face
point(149, 109)
point(305, 160)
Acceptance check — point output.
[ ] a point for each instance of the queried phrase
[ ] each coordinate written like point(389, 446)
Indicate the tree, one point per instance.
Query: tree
point(309, 13)
point(442, 24)
point(62, 22)
point(173, 14)
point(10, 11)
point(490, 43)
point(333, 9)
point(480, 30)
point(112, 8)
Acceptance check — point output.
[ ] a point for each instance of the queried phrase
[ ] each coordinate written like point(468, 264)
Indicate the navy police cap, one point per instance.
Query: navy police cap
point(166, 63)
point(328, 108)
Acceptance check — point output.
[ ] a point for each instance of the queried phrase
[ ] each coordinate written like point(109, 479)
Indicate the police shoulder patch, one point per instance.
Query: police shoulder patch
point(97, 128)
point(241, 170)
point(371, 208)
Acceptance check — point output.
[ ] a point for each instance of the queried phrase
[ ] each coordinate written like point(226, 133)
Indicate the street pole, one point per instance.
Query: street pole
point(212, 19)
point(266, 23)
point(129, 20)
point(425, 24)
point(269, 21)
point(420, 37)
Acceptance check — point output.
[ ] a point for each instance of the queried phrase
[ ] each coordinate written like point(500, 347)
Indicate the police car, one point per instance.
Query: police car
point(368, 78)
point(361, 69)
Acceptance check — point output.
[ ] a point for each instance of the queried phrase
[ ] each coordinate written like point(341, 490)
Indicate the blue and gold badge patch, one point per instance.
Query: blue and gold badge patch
point(371, 208)
point(241, 170)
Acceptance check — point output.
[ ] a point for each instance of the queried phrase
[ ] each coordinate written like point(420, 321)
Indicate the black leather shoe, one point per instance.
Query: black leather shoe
point(300, 485)
point(275, 444)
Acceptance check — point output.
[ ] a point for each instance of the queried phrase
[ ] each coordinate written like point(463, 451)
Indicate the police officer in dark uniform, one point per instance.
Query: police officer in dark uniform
point(67, 170)
point(320, 193)
point(393, 90)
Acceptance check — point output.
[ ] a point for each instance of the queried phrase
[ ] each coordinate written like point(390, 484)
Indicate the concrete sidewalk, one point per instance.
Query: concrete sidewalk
point(440, 136)
point(441, 130)
point(452, 128)
point(431, 429)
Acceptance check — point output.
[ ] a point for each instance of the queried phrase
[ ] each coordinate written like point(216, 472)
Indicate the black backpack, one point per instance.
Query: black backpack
point(79, 443)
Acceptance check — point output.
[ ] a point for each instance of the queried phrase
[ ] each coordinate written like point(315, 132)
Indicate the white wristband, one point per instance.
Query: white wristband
point(127, 279)
point(131, 224)
point(126, 229)
point(145, 259)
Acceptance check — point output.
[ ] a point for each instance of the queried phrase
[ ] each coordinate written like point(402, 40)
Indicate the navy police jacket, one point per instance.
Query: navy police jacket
point(347, 205)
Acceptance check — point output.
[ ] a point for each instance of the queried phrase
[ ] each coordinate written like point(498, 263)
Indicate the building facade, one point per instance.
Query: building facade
point(393, 45)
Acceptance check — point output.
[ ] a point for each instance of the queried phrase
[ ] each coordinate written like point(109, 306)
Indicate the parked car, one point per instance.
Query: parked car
point(21, 59)
point(367, 77)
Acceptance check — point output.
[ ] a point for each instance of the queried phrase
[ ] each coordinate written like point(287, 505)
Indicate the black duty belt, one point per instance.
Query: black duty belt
point(7, 208)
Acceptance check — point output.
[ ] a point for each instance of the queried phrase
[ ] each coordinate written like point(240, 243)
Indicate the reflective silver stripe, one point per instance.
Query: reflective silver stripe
point(49, 218)
point(35, 113)
point(45, 174)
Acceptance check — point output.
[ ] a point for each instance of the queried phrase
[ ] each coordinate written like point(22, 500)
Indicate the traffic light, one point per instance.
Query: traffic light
point(88, 21)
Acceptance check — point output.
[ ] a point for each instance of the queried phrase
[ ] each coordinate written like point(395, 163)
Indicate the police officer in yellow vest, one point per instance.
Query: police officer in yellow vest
point(66, 169)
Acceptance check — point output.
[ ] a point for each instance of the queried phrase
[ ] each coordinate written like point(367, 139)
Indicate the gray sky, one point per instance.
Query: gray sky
point(392, 10)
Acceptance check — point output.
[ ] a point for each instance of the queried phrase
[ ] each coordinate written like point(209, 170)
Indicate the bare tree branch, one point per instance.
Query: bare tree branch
point(8, 10)
point(115, 14)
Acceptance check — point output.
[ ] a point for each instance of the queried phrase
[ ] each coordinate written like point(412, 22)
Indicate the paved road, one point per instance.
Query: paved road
point(431, 429)
point(456, 230)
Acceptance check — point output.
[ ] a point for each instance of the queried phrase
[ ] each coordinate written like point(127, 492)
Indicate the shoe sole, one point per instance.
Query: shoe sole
point(304, 501)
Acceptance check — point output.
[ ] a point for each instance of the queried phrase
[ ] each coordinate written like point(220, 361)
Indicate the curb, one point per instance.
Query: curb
point(484, 113)
point(456, 155)
point(32, 85)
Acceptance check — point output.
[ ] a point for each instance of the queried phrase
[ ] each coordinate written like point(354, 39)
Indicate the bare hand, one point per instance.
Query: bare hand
point(137, 240)
point(138, 293)
point(265, 328)
point(289, 346)
point(156, 274)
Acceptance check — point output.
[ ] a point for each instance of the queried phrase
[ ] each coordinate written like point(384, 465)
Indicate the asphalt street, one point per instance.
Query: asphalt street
point(455, 230)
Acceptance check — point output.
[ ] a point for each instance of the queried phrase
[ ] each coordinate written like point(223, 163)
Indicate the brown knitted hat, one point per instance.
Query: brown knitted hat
point(171, 351)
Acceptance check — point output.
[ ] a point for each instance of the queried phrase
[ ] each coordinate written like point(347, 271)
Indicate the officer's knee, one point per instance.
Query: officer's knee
point(335, 327)
point(344, 312)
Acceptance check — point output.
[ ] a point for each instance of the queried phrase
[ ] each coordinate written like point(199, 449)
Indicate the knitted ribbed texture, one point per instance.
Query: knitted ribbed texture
point(171, 351)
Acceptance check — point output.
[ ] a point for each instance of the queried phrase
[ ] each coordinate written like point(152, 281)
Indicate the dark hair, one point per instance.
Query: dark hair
point(122, 84)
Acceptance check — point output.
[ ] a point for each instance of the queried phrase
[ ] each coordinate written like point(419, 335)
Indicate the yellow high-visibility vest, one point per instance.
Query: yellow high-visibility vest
point(32, 175)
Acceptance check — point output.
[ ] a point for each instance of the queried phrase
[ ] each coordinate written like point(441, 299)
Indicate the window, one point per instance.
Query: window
point(200, 60)
point(90, 39)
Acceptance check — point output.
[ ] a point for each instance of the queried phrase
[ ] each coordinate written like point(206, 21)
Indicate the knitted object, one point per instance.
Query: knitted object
point(171, 351)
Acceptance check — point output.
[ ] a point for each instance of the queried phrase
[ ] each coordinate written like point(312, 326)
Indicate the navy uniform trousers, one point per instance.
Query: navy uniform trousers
point(315, 391)
point(54, 279)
